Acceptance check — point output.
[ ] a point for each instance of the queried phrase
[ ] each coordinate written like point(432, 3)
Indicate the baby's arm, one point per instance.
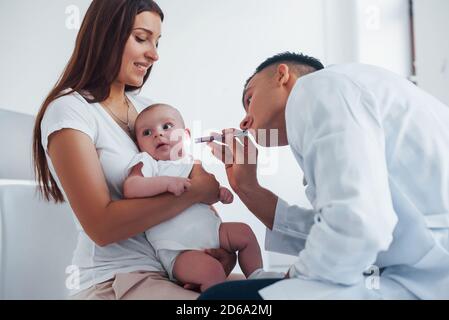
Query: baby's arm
point(138, 186)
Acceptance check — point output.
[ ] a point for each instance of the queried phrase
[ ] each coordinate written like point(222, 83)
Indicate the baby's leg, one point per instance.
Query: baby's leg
point(239, 237)
point(197, 267)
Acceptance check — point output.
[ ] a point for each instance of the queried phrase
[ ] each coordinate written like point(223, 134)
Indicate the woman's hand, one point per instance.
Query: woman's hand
point(204, 184)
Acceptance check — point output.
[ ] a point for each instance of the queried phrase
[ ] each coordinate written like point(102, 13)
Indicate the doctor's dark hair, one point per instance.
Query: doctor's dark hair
point(93, 67)
point(293, 59)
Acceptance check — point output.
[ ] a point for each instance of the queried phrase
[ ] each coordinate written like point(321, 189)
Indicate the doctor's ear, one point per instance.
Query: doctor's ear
point(282, 74)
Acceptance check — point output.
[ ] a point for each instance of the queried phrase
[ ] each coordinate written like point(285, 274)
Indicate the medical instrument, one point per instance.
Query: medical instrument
point(220, 137)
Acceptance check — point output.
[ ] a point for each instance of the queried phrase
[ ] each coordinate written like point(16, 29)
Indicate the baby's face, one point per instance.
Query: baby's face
point(160, 132)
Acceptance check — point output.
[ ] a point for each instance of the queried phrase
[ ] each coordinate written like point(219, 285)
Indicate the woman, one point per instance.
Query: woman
point(83, 143)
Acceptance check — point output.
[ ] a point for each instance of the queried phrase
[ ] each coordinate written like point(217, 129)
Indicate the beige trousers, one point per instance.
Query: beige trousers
point(137, 286)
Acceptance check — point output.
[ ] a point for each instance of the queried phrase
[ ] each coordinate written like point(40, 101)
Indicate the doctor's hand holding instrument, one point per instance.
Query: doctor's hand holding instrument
point(239, 154)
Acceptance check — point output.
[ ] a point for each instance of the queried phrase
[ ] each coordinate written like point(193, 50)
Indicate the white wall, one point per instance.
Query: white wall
point(384, 36)
point(369, 31)
point(35, 47)
point(432, 46)
point(378, 32)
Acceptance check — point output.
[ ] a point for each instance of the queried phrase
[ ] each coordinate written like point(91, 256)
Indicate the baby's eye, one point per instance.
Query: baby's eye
point(167, 126)
point(146, 132)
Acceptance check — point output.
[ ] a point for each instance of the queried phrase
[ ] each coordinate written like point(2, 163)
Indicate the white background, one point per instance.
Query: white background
point(432, 46)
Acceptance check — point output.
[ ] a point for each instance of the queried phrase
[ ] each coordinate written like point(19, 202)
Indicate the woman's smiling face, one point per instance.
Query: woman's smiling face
point(141, 49)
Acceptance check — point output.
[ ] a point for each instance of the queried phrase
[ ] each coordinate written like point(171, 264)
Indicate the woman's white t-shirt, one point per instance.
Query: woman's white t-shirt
point(115, 150)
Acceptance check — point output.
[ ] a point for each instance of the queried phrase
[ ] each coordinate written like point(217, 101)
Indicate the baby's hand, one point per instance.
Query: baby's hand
point(177, 185)
point(226, 196)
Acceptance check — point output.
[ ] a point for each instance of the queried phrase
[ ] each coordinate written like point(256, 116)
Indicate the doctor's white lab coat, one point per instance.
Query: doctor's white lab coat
point(374, 149)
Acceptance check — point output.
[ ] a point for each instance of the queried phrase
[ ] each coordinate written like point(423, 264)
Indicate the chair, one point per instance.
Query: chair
point(37, 238)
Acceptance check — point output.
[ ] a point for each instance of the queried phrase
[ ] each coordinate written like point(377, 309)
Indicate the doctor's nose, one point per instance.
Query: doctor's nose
point(246, 123)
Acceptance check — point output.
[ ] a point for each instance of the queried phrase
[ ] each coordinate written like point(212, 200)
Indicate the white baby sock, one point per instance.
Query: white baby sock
point(261, 274)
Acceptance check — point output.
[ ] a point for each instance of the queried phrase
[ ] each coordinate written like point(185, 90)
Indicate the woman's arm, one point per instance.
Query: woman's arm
point(76, 163)
point(137, 186)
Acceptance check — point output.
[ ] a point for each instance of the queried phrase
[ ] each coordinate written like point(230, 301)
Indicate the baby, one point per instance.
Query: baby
point(163, 166)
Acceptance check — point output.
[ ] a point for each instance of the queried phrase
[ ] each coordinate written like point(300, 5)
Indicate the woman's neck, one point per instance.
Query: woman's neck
point(117, 94)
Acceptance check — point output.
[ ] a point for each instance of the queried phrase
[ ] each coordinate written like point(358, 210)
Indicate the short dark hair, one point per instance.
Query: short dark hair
point(297, 59)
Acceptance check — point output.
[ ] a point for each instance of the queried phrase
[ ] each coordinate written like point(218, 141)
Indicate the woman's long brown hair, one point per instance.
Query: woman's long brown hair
point(92, 68)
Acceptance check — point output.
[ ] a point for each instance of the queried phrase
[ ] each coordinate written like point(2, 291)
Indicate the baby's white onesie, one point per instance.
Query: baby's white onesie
point(196, 228)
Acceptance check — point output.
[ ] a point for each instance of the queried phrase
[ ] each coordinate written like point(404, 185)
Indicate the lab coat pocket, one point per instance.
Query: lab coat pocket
point(435, 258)
point(439, 226)
point(438, 255)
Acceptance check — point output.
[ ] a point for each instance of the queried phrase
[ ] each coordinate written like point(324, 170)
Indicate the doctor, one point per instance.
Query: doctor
point(374, 150)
